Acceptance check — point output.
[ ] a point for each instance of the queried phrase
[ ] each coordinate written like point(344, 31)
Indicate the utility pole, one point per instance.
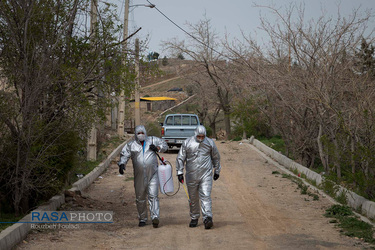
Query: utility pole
point(289, 54)
point(137, 112)
point(121, 112)
point(91, 144)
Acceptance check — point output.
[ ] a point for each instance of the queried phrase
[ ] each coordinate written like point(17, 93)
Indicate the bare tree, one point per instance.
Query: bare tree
point(203, 47)
point(209, 108)
point(317, 97)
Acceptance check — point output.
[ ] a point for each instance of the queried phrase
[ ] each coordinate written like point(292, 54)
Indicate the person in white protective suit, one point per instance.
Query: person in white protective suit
point(202, 161)
point(142, 150)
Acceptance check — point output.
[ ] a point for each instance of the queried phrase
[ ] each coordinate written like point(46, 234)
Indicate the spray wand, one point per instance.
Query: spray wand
point(183, 184)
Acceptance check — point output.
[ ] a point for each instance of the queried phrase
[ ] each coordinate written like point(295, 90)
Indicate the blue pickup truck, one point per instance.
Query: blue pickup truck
point(176, 128)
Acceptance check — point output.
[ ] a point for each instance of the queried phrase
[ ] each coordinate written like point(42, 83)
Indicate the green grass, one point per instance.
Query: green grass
point(304, 189)
point(295, 171)
point(350, 225)
point(113, 143)
point(354, 227)
point(341, 198)
point(332, 189)
point(338, 211)
point(129, 179)
point(84, 167)
point(237, 138)
point(5, 217)
point(275, 143)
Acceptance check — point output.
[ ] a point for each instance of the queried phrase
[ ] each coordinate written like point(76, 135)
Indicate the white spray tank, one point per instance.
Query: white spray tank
point(165, 177)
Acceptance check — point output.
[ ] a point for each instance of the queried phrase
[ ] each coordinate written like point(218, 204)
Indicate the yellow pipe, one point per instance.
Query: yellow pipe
point(186, 192)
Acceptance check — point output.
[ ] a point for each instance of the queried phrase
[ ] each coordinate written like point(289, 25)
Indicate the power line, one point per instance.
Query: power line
point(204, 44)
point(178, 26)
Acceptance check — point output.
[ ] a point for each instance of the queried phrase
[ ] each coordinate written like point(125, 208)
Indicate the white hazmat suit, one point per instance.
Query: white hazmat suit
point(145, 165)
point(202, 159)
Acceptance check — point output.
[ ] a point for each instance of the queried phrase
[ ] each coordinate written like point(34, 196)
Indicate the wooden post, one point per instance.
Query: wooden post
point(121, 109)
point(137, 103)
point(91, 144)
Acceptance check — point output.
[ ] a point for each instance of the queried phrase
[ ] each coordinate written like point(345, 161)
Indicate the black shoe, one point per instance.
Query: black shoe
point(208, 223)
point(193, 223)
point(155, 222)
point(142, 224)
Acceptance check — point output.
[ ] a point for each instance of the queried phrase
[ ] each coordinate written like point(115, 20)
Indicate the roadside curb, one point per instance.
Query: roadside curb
point(355, 201)
point(83, 183)
point(14, 234)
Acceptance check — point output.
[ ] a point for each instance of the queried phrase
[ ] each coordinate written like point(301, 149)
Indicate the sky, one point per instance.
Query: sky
point(227, 16)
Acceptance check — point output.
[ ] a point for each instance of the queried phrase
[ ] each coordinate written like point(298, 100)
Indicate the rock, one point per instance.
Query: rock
point(72, 192)
point(221, 135)
point(78, 192)
point(68, 199)
point(69, 193)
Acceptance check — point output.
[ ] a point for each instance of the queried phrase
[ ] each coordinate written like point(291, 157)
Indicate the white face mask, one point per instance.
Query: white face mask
point(199, 140)
point(141, 137)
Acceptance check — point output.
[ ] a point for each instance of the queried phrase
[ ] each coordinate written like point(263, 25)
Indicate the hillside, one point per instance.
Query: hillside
point(159, 87)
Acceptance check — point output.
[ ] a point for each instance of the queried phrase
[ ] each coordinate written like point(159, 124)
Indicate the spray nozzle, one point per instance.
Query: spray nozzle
point(162, 160)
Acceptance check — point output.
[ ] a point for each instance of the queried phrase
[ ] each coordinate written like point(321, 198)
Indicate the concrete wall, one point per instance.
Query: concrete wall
point(14, 234)
point(354, 200)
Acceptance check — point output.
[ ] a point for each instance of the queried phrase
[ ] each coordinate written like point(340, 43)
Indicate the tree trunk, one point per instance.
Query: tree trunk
point(16, 195)
point(337, 158)
point(352, 161)
point(227, 124)
point(244, 135)
point(322, 155)
point(367, 170)
point(213, 128)
point(312, 162)
point(224, 100)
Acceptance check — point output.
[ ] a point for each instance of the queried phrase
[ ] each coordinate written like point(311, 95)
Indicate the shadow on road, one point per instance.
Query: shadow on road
point(173, 150)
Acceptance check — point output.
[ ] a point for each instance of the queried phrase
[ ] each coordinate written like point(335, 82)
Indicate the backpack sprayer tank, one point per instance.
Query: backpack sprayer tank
point(165, 177)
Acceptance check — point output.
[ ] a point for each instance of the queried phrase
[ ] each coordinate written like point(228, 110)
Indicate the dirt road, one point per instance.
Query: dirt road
point(253, 209)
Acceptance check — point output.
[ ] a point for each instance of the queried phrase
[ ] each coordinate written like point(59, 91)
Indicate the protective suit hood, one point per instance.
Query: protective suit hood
point(200, 130)
point(139, 128)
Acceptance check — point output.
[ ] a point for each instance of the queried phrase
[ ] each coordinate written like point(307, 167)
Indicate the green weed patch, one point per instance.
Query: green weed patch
point(304, 188)
point(349, 223)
